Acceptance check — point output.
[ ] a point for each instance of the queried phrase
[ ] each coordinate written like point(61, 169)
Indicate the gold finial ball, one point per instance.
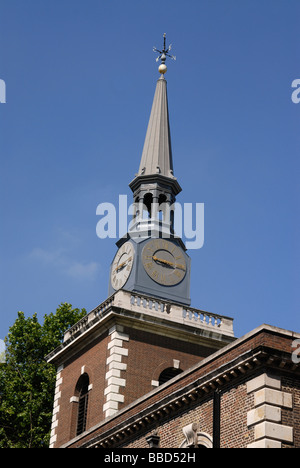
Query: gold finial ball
point(162, 69)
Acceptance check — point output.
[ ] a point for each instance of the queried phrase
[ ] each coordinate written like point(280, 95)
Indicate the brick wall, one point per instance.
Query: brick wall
point(259, 384)
point(144, 356)
point(170, 431)
point(235, 403)
point(291, 416)
point(234, 431)
point(149, 354)
point(91, 361)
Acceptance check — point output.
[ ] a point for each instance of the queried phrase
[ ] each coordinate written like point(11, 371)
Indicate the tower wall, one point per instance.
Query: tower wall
point(123, 346)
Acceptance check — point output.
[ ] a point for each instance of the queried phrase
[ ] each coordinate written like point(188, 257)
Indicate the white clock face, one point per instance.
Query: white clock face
point(122, 265)
point(164, 262)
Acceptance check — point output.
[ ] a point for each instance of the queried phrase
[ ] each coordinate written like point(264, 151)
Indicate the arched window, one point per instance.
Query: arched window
point(168, 374)
point(162, 208)
point(82, 389)
point(148, 200)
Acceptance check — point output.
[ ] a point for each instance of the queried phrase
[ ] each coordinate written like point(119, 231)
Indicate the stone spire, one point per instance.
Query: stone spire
point(156, 162)
point(157, 152)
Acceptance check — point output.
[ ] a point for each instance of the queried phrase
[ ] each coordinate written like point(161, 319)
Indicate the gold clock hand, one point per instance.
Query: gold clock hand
point(162, 260)
point(119, 267)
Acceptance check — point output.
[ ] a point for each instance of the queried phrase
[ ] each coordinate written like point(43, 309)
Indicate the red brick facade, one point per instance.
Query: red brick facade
point(92, 362)
point(124, 354)
point(148, 356)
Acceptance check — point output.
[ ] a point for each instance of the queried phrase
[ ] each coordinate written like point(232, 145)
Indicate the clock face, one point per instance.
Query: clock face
point(164, 262)
point(122, 265)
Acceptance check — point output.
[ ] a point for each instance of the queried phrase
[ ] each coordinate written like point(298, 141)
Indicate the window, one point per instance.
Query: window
point(83, 390)
point(168, 374)
point(163, 207)
point(148, 201)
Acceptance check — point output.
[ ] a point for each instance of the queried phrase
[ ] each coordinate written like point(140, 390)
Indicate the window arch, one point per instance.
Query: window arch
point(194, 438)
point(82, 390)
point(168, 374)
point(204, 441)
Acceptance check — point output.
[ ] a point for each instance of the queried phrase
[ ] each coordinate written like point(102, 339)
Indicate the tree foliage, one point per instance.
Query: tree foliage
point(27, 381)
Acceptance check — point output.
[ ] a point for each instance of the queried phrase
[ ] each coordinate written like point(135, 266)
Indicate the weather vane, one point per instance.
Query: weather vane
point(163, 56)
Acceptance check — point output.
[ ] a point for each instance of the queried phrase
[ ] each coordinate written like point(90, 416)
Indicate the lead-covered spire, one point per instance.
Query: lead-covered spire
point(156, 161)
point(157, 151)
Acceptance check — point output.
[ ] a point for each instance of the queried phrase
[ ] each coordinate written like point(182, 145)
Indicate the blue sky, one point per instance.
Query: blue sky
point(80, 79)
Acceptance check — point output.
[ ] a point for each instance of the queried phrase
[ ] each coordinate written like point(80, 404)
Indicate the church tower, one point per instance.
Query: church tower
point(152, 259)
point(145, 333)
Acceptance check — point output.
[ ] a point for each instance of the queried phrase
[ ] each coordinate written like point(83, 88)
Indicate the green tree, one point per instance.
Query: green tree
point(26, 380)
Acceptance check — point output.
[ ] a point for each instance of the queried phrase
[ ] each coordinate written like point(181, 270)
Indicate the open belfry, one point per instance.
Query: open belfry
point(145, 369)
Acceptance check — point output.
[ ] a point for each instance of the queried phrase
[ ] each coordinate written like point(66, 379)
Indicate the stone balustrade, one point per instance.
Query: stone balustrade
point(159, 308)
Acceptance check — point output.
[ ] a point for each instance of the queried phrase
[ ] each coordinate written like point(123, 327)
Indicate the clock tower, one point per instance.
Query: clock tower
point(145, 333)
point(151, 259)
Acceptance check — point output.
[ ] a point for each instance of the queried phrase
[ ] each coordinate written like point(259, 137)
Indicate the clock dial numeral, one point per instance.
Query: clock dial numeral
point(154, 274)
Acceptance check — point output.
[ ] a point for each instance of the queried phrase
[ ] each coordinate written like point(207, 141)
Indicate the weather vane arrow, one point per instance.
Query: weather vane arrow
point(163, 54)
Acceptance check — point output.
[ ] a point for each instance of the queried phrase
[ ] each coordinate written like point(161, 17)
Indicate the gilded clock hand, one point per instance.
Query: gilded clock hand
point(166, 262)
point(161, 260)
point(122, 265)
